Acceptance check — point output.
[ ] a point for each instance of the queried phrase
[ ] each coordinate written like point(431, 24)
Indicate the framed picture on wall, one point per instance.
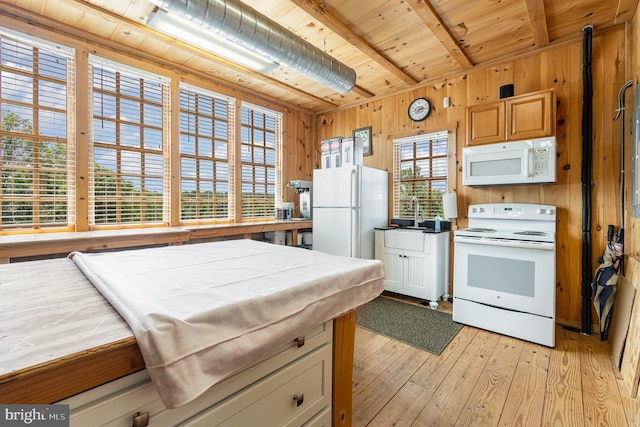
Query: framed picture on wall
point(364, 134)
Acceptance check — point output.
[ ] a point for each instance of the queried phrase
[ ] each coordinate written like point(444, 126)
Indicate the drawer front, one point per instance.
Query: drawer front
point(289, 397)
point(114, 404)
point(323, 419)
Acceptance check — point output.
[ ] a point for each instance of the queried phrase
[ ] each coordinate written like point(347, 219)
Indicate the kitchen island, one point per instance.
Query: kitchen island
point(60, 337)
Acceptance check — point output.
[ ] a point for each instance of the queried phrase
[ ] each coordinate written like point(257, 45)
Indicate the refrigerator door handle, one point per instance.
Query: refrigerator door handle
point(352, 208)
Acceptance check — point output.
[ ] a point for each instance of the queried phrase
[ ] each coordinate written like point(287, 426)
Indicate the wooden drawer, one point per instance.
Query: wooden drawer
point(113, 404)
point(272, 402)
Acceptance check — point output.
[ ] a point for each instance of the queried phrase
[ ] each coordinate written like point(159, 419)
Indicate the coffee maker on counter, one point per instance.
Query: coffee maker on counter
point(304, 189)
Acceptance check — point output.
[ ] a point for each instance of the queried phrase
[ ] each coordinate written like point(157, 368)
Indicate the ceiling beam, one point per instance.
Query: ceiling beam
point(625, 11)
point(538, 20)
point(362, 91)
point(430, 17)
point(335, 25)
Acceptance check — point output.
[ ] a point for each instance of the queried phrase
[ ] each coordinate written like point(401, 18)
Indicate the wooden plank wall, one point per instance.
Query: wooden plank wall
point(559, 68)
point(300, 154)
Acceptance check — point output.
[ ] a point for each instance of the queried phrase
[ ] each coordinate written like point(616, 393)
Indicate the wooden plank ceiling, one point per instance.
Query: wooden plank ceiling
point(391, 44)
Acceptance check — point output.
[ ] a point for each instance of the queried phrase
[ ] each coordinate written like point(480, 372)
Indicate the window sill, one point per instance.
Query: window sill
point(25, 245)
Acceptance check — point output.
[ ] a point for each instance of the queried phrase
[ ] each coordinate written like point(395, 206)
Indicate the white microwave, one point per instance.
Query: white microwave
point(531, 161)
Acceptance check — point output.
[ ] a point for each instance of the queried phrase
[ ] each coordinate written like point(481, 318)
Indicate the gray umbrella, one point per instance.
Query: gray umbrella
point(604, 284)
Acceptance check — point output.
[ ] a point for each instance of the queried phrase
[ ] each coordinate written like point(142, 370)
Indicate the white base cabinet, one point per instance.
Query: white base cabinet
point(292, 387)
point(422, 271)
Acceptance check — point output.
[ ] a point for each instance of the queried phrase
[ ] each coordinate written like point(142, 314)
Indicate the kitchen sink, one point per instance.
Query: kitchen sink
point(427, 225)
point(402, 222)
point(405, 238)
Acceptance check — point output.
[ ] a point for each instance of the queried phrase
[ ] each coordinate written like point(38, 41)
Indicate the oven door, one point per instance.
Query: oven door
point(514, 275)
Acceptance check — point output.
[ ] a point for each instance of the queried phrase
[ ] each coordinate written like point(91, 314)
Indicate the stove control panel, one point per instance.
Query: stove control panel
point(508, 210)
point(515, 211)
point(547, 211)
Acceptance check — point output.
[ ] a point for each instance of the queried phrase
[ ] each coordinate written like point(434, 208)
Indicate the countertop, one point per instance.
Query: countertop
point(58, 335)
point(426, 230)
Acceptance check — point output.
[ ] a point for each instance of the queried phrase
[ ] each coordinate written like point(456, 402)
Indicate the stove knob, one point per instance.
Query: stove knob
point(549, 211)
point(474, 210)
point(540, 211)
point(480, 210)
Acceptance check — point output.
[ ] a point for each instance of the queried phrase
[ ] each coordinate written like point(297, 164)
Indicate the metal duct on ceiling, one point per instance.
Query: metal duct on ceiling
point(245, 26)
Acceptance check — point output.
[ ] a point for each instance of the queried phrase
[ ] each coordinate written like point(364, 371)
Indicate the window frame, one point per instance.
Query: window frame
point(268, 211)
point(197, 157)
point(123, 147)
point(37, 197)
point(432, 206)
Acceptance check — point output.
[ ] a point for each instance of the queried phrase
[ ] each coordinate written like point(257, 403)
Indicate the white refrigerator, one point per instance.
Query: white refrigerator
point(348, 203)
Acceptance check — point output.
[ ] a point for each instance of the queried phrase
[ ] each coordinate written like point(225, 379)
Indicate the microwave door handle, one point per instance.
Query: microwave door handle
point(528, 164)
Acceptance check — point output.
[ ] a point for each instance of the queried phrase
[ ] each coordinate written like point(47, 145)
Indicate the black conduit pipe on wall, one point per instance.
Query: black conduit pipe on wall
point(587, 162)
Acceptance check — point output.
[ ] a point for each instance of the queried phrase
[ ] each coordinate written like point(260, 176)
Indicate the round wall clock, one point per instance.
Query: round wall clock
point(419, 109)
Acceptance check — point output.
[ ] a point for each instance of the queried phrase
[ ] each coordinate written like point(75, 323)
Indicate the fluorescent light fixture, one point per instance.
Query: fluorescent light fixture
point(194, 35)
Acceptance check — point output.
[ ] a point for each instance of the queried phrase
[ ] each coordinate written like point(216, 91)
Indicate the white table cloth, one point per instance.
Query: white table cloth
point(202, 312)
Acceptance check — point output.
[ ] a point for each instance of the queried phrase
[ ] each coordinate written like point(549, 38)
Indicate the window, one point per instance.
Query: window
point(37, 135)
point(129, 172)
point(260, 149)
point(206, 160)
point(226, 168)
point(420, 170)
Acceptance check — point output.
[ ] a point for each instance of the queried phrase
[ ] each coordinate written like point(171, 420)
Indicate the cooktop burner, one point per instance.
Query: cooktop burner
point(481, 230)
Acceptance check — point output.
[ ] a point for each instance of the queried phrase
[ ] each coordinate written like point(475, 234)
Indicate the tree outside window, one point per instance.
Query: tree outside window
point(420, 170)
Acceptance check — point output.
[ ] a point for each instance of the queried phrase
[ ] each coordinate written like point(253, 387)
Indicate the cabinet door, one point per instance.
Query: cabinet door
point(531, 116)
point(394, 267)
point(417, 281)
point(485, 123)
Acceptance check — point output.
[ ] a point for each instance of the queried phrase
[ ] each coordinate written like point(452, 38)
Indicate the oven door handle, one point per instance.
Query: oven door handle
point(525, 244)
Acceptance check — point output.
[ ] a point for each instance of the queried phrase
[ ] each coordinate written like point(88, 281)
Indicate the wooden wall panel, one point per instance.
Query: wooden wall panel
point(300, 151)
point(559, 68)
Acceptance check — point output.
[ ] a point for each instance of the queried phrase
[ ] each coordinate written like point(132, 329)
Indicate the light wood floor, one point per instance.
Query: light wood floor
point(486, 379)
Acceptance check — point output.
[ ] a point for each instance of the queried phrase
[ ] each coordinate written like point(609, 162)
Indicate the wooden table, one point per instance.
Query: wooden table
point(60, 337)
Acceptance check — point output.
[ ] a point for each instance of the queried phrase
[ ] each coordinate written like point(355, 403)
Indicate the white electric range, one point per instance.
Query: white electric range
point(504, 270)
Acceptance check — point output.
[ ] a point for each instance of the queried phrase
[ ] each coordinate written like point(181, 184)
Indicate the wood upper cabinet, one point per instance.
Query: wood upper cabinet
point(532, 115)
point(485, 123)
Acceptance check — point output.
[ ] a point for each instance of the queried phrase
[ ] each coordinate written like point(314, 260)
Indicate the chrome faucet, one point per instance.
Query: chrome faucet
point(416, 211)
